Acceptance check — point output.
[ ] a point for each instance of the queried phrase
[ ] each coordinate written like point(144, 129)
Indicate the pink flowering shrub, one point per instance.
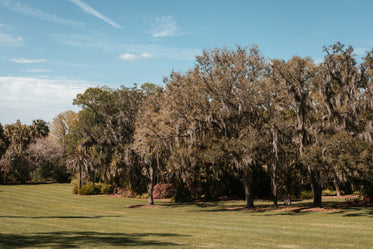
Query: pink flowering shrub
point(163, 190)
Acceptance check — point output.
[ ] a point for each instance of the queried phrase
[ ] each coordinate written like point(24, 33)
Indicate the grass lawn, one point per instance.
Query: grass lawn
point(50, 216)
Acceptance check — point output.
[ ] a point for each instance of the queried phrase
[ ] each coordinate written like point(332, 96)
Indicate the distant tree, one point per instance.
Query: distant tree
point(46, 155)
point(149, 140)
point(105, 127)
point(14, 161)
point(298, 75)
point(79, 160)
point(4, 143)
point(62, 125)
point(219, 106)
point(39, 129)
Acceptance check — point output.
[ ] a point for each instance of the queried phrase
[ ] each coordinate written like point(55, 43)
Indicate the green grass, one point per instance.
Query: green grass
point(50, 216)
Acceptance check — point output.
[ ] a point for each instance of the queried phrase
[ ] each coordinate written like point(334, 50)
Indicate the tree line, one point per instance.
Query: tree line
point(236, 124)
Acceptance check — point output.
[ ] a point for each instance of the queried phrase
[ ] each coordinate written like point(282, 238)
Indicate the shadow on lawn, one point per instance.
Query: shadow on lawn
point(60, 217)
point(31, 183)
point(329, 207)
point(77, 239)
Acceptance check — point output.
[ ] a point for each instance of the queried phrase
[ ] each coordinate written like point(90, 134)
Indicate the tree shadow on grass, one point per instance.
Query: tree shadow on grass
point(367, 213)
point(298, 208)
point(31, 183)
point(88, 239)
point(60, 217)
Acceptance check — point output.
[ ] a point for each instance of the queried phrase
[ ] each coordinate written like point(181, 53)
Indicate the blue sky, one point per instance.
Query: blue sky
point(52, 50)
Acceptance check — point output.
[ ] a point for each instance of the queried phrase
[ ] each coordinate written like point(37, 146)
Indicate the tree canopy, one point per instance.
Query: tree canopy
point(236, 123)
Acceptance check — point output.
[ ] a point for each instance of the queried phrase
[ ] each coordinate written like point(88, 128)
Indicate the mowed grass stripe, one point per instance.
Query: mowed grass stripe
point(50, 216)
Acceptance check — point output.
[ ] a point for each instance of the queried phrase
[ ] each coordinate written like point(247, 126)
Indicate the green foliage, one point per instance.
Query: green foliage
point(89, 189)
point(94, 189)
point(233, 117)
point(367, 191)
point(142, 196)
point(182, 194)
point(328, 192)
point(75, 190)
point(306, 194)
point(107, 189)
point(128, 193)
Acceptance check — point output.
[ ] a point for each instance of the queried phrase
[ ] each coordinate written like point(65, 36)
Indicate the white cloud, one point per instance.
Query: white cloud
point(27, 98)
point(95, 13)
point(130, 57)
point(7, 40)
point(164, 26)
point(86, 42)
point(26, 10)
point(146, 55)
point(27, 61)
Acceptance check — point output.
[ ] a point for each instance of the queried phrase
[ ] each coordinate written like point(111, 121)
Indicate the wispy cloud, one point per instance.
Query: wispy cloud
point(88, 9)
point(7, 40)
point(28, 98)
point(130, 57)
point(146, 55)
point(158, 51)
point(37, 13)
point(27, 61)
point(164, 26)
point(35, 70)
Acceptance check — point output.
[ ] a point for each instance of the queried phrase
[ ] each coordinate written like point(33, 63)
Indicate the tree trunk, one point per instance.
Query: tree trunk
point(274, 164)
point(336, 185)
point(150, 186)
point(247, 182)
point(93, 177)
point(287, 196)
point(80, 177)
point(274, 192)
point(316, 190)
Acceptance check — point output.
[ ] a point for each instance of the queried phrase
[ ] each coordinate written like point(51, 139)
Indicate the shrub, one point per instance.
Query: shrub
point(306, 194)
point(142, 196)
point(182, 195)
point(367, 191)
point(163, 190)
point(89, 189)
point(128, 193)
point(328, 192)
point(75, 190)
point(98, 187)
point(107, 189)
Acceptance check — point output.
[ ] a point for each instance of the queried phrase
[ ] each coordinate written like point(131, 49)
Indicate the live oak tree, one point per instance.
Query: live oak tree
point(298, 75)
point(149, 141)
point(222, 99)
point(232, 114)
point(341, 85)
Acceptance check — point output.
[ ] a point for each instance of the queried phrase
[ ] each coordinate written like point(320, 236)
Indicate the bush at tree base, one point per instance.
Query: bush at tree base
point(93, 189)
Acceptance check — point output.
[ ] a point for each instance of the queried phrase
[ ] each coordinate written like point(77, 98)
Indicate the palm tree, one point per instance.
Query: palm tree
point(79, 160)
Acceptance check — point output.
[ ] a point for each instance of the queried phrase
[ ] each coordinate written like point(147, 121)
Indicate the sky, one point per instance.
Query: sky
point(52, 50)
